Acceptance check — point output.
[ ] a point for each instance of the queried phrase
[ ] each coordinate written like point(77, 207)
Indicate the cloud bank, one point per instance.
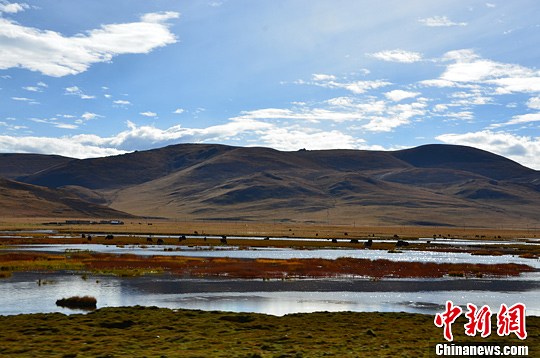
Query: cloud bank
point(56, 55)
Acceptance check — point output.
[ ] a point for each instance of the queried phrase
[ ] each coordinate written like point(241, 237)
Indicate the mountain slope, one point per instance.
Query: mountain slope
point(429, 185)
point(463, 158)
point(25, 200)
point(124, 170)
point(16, 165)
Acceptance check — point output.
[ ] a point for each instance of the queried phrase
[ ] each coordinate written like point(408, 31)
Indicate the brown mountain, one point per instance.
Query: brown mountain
point(427, 185)
point(16, 165)
point(26, 200)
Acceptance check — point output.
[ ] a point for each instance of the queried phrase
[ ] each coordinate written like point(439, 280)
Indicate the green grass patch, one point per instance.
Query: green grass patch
point(154, 332)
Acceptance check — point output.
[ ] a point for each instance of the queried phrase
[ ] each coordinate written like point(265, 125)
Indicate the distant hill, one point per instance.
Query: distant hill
point(16, 165)
point(124, 170)
point(463, 158)
point(26, 200)
point(427, 185)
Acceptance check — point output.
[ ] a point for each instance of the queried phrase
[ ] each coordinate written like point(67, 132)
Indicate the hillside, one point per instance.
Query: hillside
point(25, 200)
point(15, 165)
point(427, 185)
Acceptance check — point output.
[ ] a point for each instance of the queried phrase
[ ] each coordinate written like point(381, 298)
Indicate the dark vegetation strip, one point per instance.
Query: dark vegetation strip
point(84, 302)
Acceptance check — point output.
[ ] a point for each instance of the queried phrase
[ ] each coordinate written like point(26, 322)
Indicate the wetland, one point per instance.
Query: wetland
point(260, 277)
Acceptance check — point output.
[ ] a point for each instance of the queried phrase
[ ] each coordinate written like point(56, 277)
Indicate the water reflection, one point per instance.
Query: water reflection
point(22, 294)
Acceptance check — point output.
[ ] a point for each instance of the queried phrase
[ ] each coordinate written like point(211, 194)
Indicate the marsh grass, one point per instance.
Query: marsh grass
point(278, 235)
point(153, 332)
point(133, 265)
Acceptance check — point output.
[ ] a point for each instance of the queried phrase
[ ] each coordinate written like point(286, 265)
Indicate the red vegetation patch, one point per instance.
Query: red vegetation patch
point(261, 268)
point(275, 268)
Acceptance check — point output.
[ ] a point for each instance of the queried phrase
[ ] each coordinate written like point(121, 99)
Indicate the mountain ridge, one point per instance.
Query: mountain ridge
point(25, 200)
point(437, 183)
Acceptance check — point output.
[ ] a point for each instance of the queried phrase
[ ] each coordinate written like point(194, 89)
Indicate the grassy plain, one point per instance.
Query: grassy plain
point(153, 332)
point(273, 229)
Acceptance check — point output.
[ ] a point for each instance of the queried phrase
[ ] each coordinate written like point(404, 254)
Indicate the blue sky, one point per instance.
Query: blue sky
point(93, 78)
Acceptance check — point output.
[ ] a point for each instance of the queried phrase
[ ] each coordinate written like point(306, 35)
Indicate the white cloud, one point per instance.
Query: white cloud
point(11, 127)
point(313, 115)
point(359, 87)
point(438, 83)
point(53, 54)
point(340, 102)
point(294, 138)
point(469, 70)
point(160, 17)
point(145, 137)
point(89, 116)
point(481, 70)
point(517, 84)
point(376, 115)
point(66, 126)
point(13, 8)
point(463, 55)
point(399, 95)
point(32, 89)
point(523, 149)
point(323, 77)
point(490, 5)
point(440, 21)
point(519, 119)
point(122, 102)
point(463, 115)
point(469, 99)
point(534, 103)
point(179, 111)
point(55, 123)
point(356, 87)
point(148, 114)
point(398, 56)
point(288, 137)
point(395, 116)
point(76, 91)
point(61, 146)
point(24, 99)
point(440, 107)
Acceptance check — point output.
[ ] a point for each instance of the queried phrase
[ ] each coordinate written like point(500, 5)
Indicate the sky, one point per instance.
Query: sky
point(91, 78)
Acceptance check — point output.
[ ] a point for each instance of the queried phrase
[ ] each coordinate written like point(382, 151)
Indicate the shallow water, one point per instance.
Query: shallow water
point(23, 294)
point(283, 253)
